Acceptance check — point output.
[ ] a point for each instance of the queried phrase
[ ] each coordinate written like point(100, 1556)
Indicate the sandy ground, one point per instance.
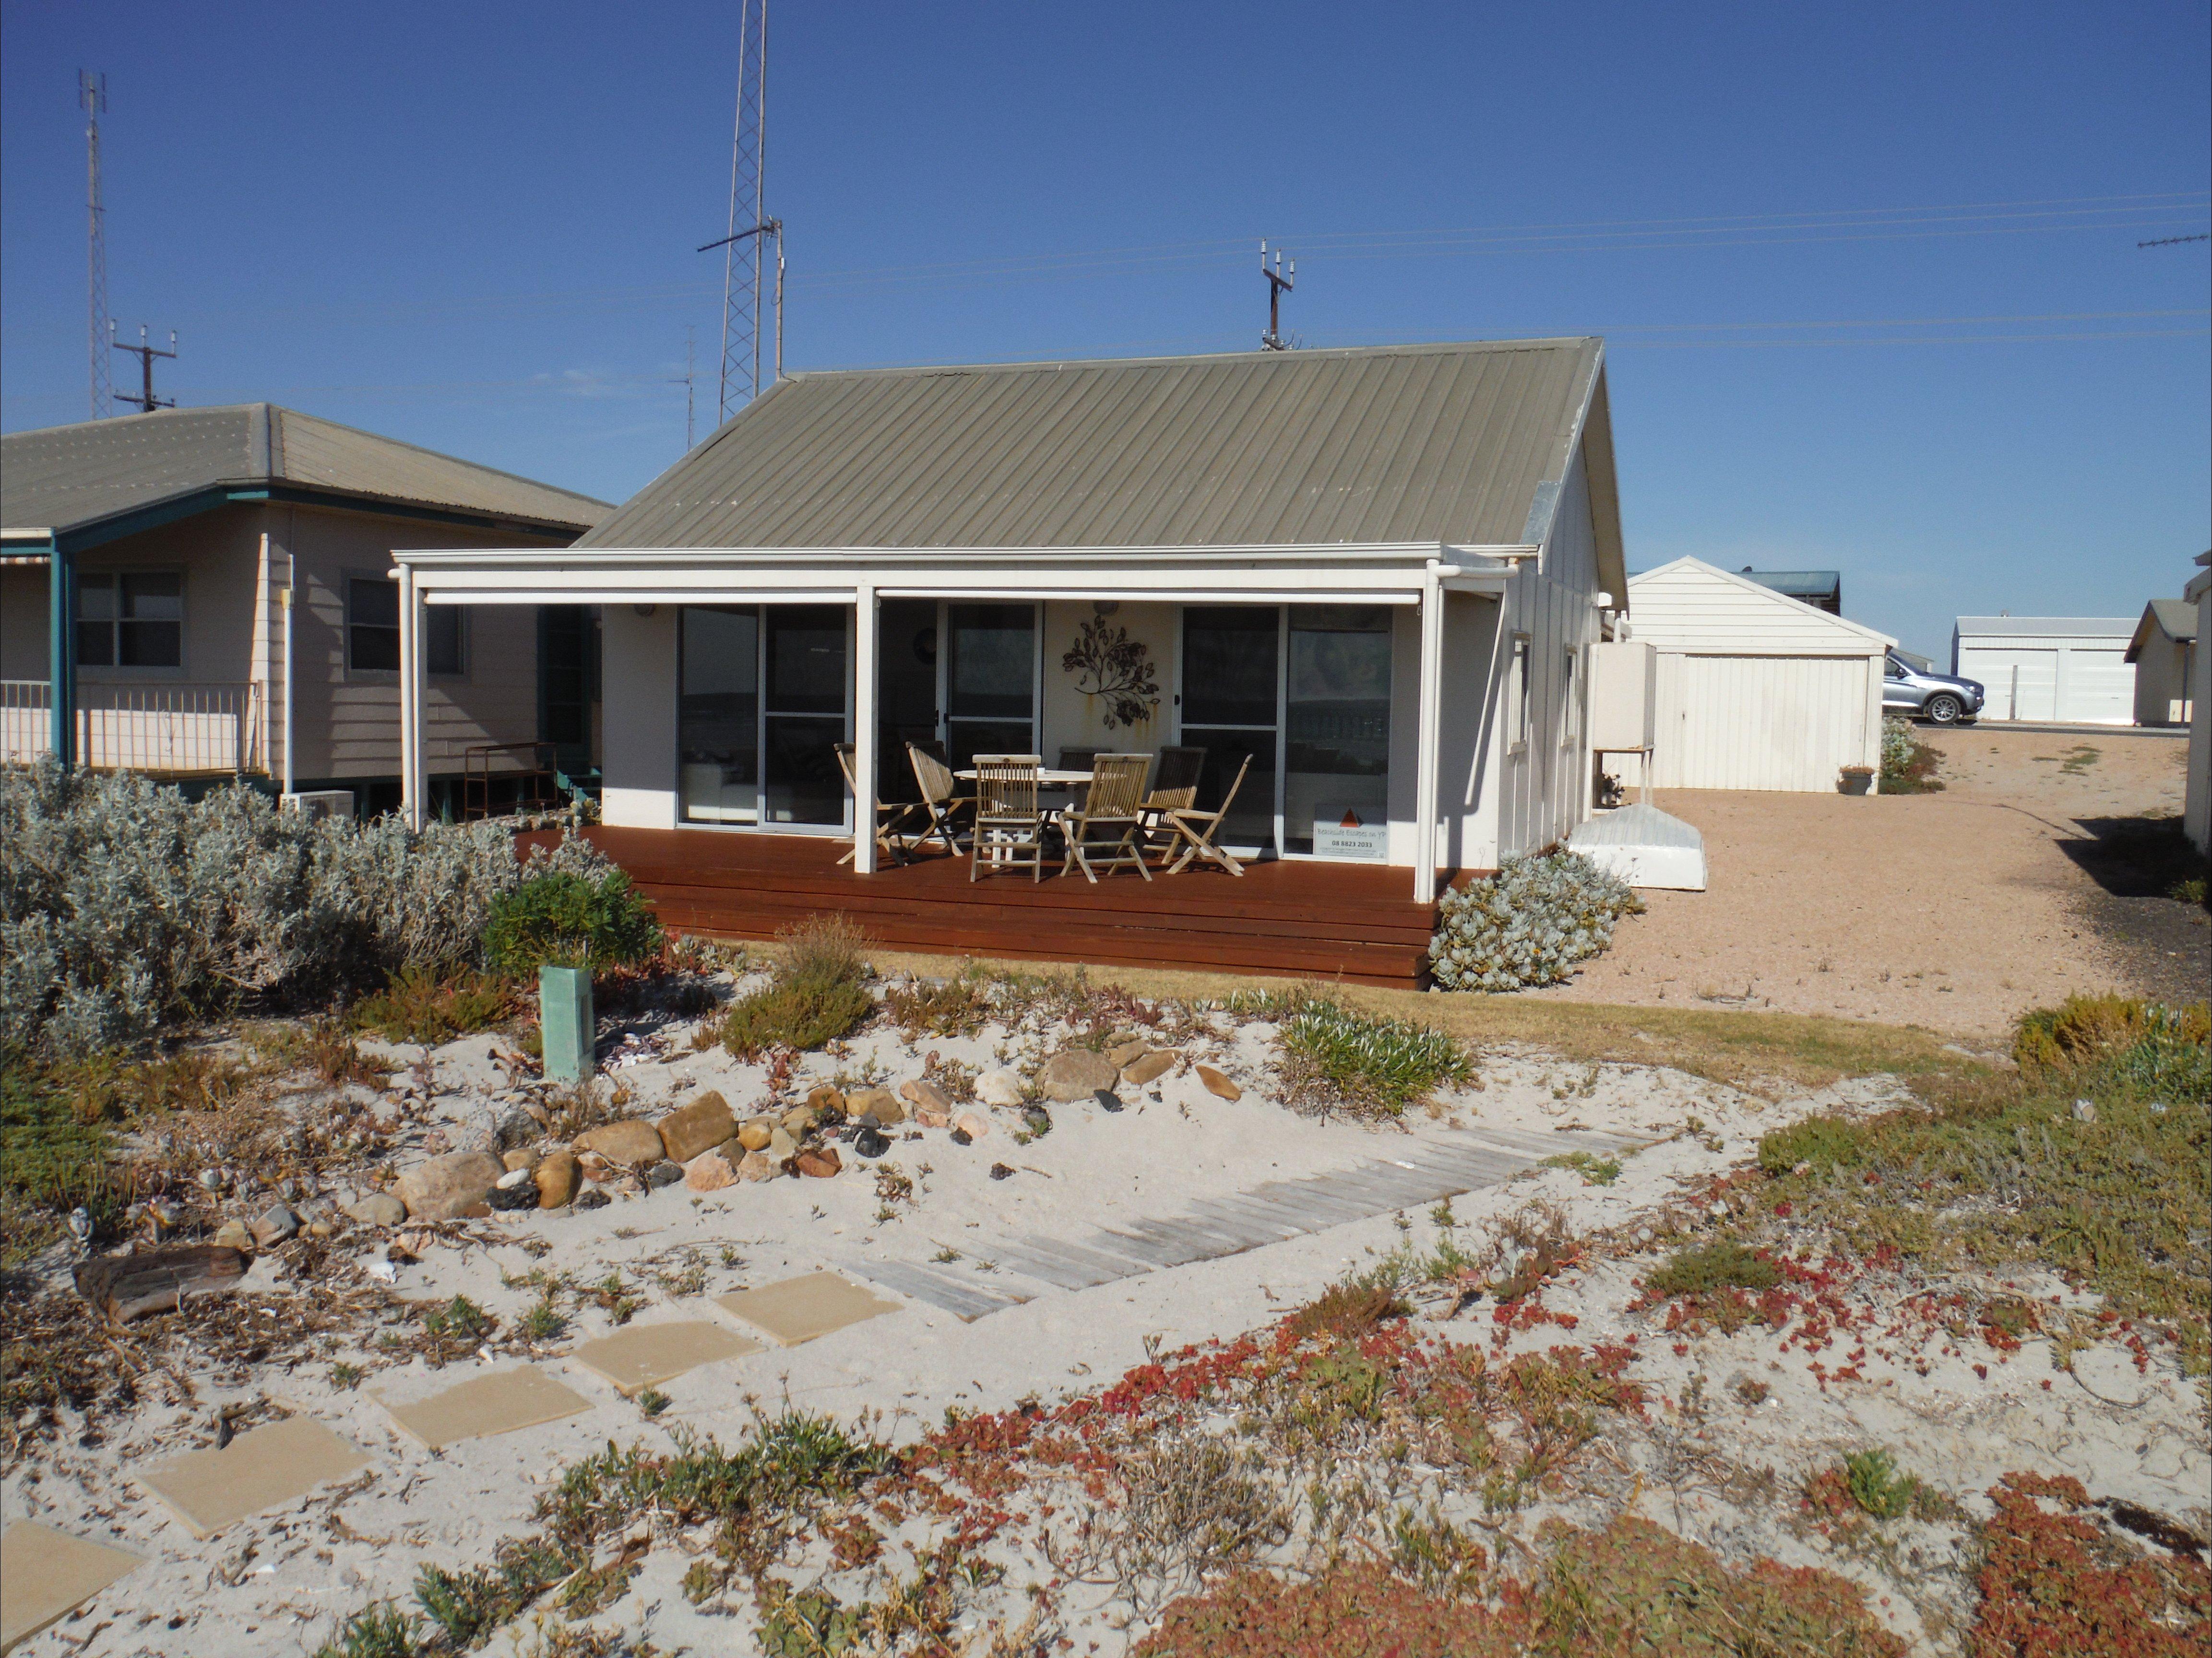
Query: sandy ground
point(277, 1582)
point(1954, 911)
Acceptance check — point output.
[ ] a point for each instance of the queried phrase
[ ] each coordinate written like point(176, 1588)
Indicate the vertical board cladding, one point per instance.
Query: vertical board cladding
point(1763, 722)
point(1467, 801)
point(1542, 789)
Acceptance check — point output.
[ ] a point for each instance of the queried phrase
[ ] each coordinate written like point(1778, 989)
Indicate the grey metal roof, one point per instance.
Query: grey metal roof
point(68, 478)
point(1798, 584)
point(2045, 627)
point(2174, 617)
point(1430, 443)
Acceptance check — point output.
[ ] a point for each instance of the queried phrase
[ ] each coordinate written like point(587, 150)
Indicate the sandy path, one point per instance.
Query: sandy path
point(1956, 911)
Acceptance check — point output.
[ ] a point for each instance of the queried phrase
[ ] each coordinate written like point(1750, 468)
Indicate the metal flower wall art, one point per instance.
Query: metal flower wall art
point(1107, 662)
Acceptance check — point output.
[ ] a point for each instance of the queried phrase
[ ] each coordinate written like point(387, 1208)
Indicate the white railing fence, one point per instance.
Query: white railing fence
point(169, 728)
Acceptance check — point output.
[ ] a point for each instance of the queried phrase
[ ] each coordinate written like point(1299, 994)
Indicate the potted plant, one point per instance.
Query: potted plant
point(1855, 780)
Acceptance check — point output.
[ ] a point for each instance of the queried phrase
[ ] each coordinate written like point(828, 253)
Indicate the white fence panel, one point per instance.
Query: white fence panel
point(1760, 722)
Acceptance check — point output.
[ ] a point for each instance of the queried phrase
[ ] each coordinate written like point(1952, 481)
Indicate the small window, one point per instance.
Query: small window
point(1570, 717)
point(1516, 693)
point(131, 619)
point(373, 629)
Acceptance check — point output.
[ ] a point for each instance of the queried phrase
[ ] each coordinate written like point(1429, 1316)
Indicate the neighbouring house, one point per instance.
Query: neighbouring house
point(1756, 688)
point(1822, 589)
point(1365, 580)
point(2196, 815)
point(2163, 652)
point(228, 607)
point(2071, 670)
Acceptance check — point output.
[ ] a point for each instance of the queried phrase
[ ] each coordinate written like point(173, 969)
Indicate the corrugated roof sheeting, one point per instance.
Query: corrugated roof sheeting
point(2045, 627)
point(65, 477)
point(1400, 444)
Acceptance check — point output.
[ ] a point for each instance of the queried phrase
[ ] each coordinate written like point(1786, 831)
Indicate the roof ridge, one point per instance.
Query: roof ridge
point(1414, 348)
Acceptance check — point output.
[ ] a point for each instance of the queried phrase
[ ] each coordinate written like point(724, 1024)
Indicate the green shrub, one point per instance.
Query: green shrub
point(378, 1631)
point(1529, 924)
point(563, 920)
point(417, 1005)
point(1878, 1486)
point(818, 992)
point(2082, 1029)
point(1708, 1267)
point(1908, 765)
point(1369, 1064)
point(1593, 1170)
point(1824, 1142)
point(50, 1156)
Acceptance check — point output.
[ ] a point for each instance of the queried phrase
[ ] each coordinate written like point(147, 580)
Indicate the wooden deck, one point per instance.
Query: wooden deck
point(1349, 921)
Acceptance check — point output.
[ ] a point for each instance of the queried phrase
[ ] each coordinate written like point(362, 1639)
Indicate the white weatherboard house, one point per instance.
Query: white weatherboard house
point(2072, 670)
point(2163, 652)
point(1756, 689)
point(1376, 573)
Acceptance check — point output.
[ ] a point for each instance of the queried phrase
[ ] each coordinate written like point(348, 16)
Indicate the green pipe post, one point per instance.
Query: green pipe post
point(61, 654)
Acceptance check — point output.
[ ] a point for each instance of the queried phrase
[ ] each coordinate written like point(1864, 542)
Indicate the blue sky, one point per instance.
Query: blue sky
point(1868, 273)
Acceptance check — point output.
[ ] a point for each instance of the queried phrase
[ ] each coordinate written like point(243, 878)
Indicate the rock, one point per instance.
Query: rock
point(592, 1197)
point(1076, 1074)
point(320, 1229)
point(710, 1171)
point(516, 1191)
point(961, 1136)
point(1218, 1085)
point(781, 1145)
point(444, 1188)
point(878, 1102)
point(273, 1225)
point(928, 1101)
point(158, 1280)
point(664, 1173)
point(1121, 1055)
point(515, 1160)
point(516, 1128)
point(626, 1186)
point(1000, 1087)
point(755, 1134)
point(700, 1126)
point(594, 1166)
point(870, 1142)
point(972, 1126)
point(999, 1171)
point(233, 1235)
point(379, 1209)
point(628, 1141)
point(825, 1100)
point(2085, 1111)
point(1148, 1067)
point(1108, 1100)
point(818, 1164)
point(756, 1166)
point(555, 1178)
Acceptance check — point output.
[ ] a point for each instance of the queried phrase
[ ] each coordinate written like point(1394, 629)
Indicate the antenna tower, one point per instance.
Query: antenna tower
point(746, 290)
point(1278, 284)
point(92, 98)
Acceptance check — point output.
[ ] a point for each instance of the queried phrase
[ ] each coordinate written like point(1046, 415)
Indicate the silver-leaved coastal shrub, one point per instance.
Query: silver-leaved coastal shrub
point(125, 907)
point(1529, 924)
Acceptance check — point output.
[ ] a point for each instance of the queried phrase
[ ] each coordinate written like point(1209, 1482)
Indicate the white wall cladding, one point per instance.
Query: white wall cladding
point(1757, 690)
point(1763, 722)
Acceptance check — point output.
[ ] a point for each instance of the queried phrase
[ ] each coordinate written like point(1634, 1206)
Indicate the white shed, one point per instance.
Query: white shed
point(1756, 690)
point(2068, 668)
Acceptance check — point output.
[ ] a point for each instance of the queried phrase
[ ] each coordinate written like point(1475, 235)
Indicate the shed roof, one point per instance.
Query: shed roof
point(2174, 617)
point(1402, 444)
point(2044, 626)
point(1798, 584)
point(72, 480)
point(1690, 605)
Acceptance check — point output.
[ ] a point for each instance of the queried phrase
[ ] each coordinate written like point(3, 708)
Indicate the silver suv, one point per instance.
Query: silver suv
point(1942, 699)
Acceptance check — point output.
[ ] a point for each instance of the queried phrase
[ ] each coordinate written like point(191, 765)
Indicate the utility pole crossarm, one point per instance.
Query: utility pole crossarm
point(1279, 282)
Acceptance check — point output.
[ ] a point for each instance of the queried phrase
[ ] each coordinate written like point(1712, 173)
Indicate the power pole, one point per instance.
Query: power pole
point(744, 289)
point(146, 402)
point(1277, 285)
point(691, 383)
point(92, 98)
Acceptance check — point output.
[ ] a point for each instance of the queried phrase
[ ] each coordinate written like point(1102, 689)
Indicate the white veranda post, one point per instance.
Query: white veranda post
point(865, 761)
point(1428, 723)
point(413, 782)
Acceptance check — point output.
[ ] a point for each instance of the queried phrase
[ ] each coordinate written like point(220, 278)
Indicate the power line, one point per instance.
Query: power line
point(2175, 241)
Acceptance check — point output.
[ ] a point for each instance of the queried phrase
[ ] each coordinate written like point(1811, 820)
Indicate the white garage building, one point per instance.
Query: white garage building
point(2073, 669)
point(1756, 690)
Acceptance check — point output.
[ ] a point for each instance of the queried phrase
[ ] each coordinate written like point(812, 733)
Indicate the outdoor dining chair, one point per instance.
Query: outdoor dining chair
point(941, 800)
point(1077, 759)
point(1008, 830)
point(1194, 829)
point(1106, 824)
point(891, 834)
point(1174, 788)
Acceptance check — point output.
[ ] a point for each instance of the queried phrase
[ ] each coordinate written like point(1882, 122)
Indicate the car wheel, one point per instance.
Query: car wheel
point(1943, 708)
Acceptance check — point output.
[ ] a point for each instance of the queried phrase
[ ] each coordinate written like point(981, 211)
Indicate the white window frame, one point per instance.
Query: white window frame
point(1516, 696)
point(115, 666)
point(1572, 682)
point(390, 676)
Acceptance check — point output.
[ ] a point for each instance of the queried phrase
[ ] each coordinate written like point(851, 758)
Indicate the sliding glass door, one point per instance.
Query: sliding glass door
point(990, 680)
point(764, 694)
point(1231, 693)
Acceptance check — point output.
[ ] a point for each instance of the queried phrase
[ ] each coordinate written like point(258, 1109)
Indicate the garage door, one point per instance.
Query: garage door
point(2099, 687)
point(2018, 682)
point(1760, 722)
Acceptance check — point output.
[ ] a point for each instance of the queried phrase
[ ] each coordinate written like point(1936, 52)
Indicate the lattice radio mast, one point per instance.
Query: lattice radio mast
point(92, 98)
point(746, 290)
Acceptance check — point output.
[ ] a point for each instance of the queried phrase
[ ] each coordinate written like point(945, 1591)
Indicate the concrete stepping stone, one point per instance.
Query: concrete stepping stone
point(636, 1358)
point(46, 1575)
point(486, 1404)
point(801, 1308)
point(264, 1468)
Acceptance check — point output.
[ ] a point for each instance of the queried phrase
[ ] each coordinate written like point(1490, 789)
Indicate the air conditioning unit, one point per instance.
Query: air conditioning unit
point(320, 803)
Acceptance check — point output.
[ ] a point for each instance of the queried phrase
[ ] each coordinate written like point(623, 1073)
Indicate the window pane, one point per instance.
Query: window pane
point(805, 659)
point(993, 673)
point(441, 638)
point(372, 601)
point(970, 738)
point(804, 785)
point(154, 596)
point(1337, 746)
point(373, 649)
point(1229, 656)
point(149, 644)
point(718, 715)
point(95, 598)
point(1251, 820)
point(96, 644)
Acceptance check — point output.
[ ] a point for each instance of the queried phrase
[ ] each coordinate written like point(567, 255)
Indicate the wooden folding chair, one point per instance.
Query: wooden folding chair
point(890, 814)
point(1077, 759)
point(1195, 829)
point(1107, 821)
point(941, 801)
point(1009, 831)
point(1174, 788)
